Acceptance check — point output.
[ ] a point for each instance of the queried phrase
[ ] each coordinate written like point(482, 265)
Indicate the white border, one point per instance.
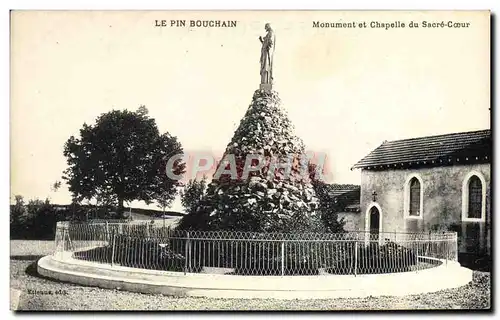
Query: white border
point(198, 4)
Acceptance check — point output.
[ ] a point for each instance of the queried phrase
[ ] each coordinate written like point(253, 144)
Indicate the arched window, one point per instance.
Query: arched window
point(475, 198)
point(474, 212)
point(414, 197)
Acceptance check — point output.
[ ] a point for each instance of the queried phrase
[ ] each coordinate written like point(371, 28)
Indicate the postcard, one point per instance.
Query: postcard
point(250, 160)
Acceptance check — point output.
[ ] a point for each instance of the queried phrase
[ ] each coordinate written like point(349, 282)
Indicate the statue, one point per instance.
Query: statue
point(266, 58)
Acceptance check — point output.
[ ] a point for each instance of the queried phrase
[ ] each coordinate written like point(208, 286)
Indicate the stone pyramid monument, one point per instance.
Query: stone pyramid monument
point(262, 184)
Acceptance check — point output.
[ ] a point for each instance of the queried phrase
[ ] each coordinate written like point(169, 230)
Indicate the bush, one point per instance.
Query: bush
point(193, 193)
point(374, 259)
point(147, 253)
point(264, 258)
point(136, 253)
point(37, 219)
point(34, 220)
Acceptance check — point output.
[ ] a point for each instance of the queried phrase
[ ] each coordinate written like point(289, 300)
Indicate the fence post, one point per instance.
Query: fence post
point(61, 248)
point(416, 254)
point(107, 231)
point(189, 256)
point(63, 241)
point(186, 252)
point(283, 258)
point(447, 243)
point(113, 248)
point(356, 258)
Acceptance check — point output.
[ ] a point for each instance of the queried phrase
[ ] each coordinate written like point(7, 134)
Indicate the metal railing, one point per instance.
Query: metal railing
point(150, 246)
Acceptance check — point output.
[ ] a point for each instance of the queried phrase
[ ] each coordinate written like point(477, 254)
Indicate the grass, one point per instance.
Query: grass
point(23, 276)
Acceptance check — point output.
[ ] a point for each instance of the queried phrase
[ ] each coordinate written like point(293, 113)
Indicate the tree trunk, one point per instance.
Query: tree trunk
point(163, 216)
point(121, 209)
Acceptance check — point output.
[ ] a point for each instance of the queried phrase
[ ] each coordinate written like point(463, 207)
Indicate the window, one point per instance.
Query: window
point(475, 198)
point(374, 223)
point(414, 197)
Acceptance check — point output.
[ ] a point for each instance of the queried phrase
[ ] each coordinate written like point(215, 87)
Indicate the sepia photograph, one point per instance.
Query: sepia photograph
point(247, 160)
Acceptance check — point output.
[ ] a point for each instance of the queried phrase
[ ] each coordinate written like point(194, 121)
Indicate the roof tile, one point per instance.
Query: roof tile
point(428, 149)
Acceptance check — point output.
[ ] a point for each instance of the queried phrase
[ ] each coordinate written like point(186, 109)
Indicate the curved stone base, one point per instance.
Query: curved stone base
point(445, 276)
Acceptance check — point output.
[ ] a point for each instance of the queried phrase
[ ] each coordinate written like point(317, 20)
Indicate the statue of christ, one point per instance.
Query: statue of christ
point(266, 56)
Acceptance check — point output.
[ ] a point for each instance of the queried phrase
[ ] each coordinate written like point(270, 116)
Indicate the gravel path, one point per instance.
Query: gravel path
point(24, 254)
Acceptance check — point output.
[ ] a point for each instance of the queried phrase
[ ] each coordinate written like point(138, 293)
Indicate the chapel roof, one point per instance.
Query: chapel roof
point(349, 194)
point(438, 150)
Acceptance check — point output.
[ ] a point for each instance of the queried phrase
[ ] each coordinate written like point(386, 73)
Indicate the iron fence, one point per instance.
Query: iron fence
point(148, 246)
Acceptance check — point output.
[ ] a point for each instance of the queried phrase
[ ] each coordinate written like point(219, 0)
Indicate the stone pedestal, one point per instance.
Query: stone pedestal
point(264, 202)
point(266, 86)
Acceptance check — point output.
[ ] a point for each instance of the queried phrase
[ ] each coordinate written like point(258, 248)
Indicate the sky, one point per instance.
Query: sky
point(345, 90)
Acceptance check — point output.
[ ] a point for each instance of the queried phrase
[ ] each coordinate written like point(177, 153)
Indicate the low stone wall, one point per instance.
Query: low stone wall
point(446, 275)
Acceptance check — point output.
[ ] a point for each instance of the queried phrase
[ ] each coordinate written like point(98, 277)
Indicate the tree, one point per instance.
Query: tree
point(191, 199)
point(193, 193)
point(33, 220)
point(55, 186)
point(17, 213)
point(122, 157)
point(329, 207)
point(143, 111)
point(164, 200)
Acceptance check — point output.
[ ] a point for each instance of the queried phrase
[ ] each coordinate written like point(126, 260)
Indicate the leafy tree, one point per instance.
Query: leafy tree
point(56, 186)
point(17, 213)
point(164, 200)
point(329, 206)
point(122, 157)
point(193, 193)
point(143, 111)
point(34, 220)
point(41, 218)
point(192, 198)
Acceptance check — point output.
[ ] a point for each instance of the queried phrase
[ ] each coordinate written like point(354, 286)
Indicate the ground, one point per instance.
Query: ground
point(23, 277)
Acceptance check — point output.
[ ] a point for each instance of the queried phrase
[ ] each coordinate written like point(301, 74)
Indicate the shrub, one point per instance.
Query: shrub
point(192, 194)
point(136, 253)
point(263, 258)
point(375, 258)
point(33, 220)
point(37, 219)
point(147, 253)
